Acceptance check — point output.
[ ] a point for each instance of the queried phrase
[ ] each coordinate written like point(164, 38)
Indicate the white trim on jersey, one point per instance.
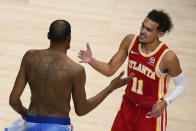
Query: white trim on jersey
point(157, 70)
point(151, 53)
point(132, 42)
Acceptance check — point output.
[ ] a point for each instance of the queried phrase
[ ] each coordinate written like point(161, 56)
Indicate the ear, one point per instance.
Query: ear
point(69, 39)
point(161, 34)
point(49, 35)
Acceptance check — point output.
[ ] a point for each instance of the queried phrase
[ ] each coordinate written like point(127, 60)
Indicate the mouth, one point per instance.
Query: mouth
point(142, 37)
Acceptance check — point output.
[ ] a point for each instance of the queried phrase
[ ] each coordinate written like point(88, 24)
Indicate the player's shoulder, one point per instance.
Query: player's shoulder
point(28, 54)
point(170, 56)
point(127, 41)
point(79, 71)
point(31, 52)
point(32, 55)
point(76, 67)
point(130, 37)
point(36, 52)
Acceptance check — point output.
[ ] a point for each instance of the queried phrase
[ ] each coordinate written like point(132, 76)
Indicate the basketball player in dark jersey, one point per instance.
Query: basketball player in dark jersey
point(144, 103)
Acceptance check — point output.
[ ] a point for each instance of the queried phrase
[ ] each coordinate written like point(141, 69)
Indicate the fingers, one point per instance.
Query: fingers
point(127, 79)
point(80, 55)
point(155, 112)
point(23, 117)
point(81, 52)
point(81, 61)
point(88, 46)
point(121, 74)
point(130, 77)
point(152, 115)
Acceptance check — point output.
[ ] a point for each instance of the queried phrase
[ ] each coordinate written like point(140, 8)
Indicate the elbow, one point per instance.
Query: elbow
point(109, 74)
point(13, 102)
point(110, 71)
point(80, 112)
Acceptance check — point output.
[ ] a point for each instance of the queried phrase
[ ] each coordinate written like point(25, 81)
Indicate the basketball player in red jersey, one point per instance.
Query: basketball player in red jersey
point(144, 104)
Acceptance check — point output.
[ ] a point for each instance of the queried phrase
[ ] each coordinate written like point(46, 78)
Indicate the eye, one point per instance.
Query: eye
point(148, 29)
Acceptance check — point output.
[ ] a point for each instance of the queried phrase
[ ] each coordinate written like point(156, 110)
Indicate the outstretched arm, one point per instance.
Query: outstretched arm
point(172, 64)
point(107, 69)
point(83, 105)
point(17, 90)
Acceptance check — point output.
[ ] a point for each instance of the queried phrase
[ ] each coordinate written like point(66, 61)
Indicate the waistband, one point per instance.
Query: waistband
point(48, 120)
point(125, 98)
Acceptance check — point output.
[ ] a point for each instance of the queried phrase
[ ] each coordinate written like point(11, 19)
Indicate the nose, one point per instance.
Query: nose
point(142, 30)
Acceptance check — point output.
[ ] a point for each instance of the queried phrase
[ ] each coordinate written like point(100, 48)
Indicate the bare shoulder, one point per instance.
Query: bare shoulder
point(79, 73)
point(34, 53)
point(32, 56)
point(172, 63)
point(30, 53)
point(170, 56)
point(127, 41)
point(78, 69)
point(130, 36)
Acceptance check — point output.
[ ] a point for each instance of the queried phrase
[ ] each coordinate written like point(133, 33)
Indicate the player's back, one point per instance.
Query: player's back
point(50, 77)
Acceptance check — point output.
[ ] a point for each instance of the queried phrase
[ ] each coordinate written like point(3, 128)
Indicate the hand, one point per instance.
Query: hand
point(119, 82)
point(157, 109)
point(85, 55)
point(23, 114)
point(23, 117)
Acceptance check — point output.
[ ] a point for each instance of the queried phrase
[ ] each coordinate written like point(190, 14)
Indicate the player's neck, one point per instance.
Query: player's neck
point(60, 47)
point(150, 47)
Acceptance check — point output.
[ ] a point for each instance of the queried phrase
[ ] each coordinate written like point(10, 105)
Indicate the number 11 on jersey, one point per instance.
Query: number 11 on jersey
point(137, 86)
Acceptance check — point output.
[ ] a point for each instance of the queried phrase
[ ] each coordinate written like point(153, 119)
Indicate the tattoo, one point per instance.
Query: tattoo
point(49, 76)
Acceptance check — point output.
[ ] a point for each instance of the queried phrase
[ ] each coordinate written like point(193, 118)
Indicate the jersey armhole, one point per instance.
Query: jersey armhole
point(157, 70)
point(132, 43)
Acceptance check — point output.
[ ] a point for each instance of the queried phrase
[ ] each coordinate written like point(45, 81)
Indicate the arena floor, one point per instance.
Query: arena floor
point(103, 23)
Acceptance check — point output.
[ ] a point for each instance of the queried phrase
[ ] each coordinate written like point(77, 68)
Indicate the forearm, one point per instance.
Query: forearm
point(180, 87)
point(103, 68)
point(18, 107)
point(93, 102)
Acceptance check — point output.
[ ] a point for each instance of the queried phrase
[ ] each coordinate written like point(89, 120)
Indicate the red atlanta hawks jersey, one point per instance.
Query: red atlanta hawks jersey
point(147, 86)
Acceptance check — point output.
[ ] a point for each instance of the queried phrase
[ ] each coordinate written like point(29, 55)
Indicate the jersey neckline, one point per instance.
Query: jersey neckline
point(151, 53)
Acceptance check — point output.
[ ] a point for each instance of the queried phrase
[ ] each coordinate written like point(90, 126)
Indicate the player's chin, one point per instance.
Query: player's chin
point(142, 41)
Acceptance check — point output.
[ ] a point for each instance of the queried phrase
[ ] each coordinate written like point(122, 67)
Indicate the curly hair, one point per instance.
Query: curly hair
point(162, 19)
